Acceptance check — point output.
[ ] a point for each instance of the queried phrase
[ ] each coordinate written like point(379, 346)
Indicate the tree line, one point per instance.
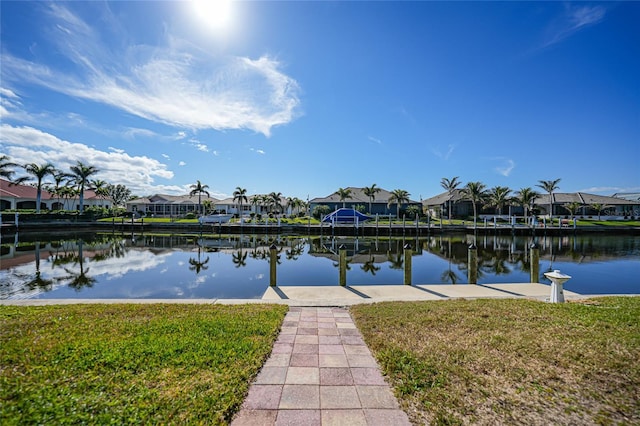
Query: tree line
point(65, 185)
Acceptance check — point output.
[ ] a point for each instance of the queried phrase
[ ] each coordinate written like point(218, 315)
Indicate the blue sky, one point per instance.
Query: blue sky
point(306, 97)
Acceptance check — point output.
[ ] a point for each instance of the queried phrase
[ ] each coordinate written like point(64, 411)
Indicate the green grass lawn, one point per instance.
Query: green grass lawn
point(509, 361)
point(131, 364)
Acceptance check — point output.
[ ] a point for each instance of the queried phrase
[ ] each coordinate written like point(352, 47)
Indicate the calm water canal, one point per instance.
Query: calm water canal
point(100, 266)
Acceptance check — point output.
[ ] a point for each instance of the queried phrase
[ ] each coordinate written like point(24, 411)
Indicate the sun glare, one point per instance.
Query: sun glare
point(215, 14)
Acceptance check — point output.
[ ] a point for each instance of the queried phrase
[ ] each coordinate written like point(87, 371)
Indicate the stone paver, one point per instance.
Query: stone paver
point(320, 372)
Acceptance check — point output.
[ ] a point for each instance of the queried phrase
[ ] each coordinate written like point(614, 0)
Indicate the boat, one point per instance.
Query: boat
point(345, 215)
point(215, 218)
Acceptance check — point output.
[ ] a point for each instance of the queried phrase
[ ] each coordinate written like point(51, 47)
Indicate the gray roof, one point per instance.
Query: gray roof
point(582, 198)
point(542, 199)
point(633, 196)
point(455, 196)
point(170, 199)
point(357, 196)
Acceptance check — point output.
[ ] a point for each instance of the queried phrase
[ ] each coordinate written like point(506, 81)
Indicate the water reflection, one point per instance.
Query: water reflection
point(190, 266)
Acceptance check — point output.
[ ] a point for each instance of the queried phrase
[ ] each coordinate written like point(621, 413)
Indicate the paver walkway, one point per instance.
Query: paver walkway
point(320, 372)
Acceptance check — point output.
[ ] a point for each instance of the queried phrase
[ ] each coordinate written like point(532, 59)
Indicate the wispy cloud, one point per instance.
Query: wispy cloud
point(376, 140)
point(29, 145)
point(609, 189)
point(507, 168)
point(134, 133)
point(182, 163)
point(257, 151)
point(575, 17)
point(445, 156)
point(177, 84)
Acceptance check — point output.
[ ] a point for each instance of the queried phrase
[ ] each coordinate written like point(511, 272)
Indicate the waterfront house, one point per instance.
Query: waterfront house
point(161, 205)
point(379, 205)
point(612, 207)
point(23, 197)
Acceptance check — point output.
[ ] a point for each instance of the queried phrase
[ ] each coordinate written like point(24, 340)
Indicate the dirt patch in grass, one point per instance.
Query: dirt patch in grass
point(510, 361)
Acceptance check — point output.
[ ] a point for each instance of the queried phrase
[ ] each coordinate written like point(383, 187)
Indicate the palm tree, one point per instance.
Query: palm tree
point(572, 208)
point(525, 197)
point(450, 185)
point(275, 200)
point(59, 177)
point(549, 186)
point(240, 195)
point(199, 188)
point(207, 205)
point(498, 197)
point(343, 193)
point(598, 207)
point(398, 197)
point(256, 200)
point(39, 172)
point(371, 191)
point(82, 172)
point(295, 204)
point(6, 167)
point(101, 188)
point(475, 192)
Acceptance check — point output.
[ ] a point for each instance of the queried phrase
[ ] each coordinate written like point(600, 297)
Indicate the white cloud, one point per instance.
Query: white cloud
point(445, 156)
point(259, 151)
point(507, 168)
point(134, 133)
point(216, 153)
point(182, 163)
point(176, 83)
point(372, 139)
point(166, 156)
point(138, 173)
point(574, 19)
point(8, 93)
point(609, 189)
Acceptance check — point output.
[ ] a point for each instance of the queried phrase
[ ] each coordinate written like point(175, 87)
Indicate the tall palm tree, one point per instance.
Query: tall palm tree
point(499, 197)
point(82, 172)
point(549, 186)
point(6, 167)
point(344, 194)
point(476, 192)
point(450, 185)
point(256, 200)
point(199, 188)
point(398, 197)
point(101, 188)
point(371, 191)
point(59, 177)
point(294, 204)
point(240, 195)
point(39, 172)
point(525, 197)
point(275, 201)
